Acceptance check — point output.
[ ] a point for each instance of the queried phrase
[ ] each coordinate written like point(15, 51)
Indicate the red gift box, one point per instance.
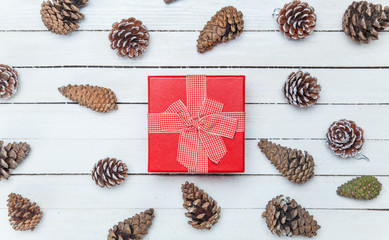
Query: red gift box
point(196, 123)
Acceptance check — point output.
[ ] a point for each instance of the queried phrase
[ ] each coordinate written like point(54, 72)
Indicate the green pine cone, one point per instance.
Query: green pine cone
point(361, 188)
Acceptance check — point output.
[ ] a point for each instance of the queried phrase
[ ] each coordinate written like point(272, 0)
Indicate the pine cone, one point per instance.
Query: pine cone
point(132, 228)
point(23, 214)
point(297, 20)
point(361, 188)
point(10, 156)
point(98, 99)
point(109, 172)
point(9, 81)
point(169, 1)
point(130, 37)
point(345, 138)
point(62, 16)
point(285, 217)
point(226, 24)
point(292, 163)
point(301, 89)
point(202, 209)
point(363, 20)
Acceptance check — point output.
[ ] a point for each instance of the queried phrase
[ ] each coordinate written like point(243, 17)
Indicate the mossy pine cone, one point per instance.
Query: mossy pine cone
point(296, 166)
point(301, 89)
point(297, 20)
point(362, 21)
point(23, 215)
point(98, 99)
point(226, 24)
point(345, 138)
point(9, 81)
point(62, 16)
point(129, 37)
point(202, 209)
point(285, 217)
point(133, 228)
point(109, 172)
point(10, 156)
point(361, 188)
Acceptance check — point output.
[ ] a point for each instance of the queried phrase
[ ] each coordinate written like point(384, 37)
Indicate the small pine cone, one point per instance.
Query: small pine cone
point(361, 188)
point(169, 1)
point(23, 215)
point(226, 24)
point(345, 138)
point(62, 16)
point(297, 20)
point(109, 172)
point(292, 163)
point(132, 228)
point(363, 21)
point(301, 89)
point(98, 99)
point(9, 81)
point(202, 209)
point(285, 217)
point(129, 37)
point(10, 156)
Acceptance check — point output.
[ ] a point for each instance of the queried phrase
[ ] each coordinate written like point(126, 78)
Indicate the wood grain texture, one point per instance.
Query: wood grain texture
point(183, 15)
point(267, 49)
point(67, 139)
point(339, 86)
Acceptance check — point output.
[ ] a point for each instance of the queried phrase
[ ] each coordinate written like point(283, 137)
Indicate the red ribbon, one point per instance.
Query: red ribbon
point(201, 124)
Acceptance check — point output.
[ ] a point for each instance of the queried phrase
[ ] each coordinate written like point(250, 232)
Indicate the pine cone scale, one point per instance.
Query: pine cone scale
point(23, 214)
point(202, 209)
point(292, 163)
point(109, 172)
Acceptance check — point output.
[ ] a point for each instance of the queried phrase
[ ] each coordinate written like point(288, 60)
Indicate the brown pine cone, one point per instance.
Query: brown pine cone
point(109, 172)
point(129, 37)
point(9, 81)
point(62, 16)
point(226, 24)
point(285, 217)
point(23, 215)
point(169, 1)
point(301, 89)
point(202, 209)
point(132, 228)
point(363, 20)
point(10, 156)
point(296, 166)
point(98, 99)
point(297, 20)
point(345, 138)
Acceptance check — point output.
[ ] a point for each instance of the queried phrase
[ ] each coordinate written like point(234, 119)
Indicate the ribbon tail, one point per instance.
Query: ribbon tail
point(214, 146)
point(191, 154)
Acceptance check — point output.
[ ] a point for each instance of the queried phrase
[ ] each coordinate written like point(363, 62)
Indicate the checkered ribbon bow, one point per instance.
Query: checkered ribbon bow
point(201, 125)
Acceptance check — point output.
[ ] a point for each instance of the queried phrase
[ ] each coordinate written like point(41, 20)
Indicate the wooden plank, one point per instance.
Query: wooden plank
point(165, 191)
point(179, 48)
point(339, 86)
point(158, 16)
point(70, 121)
point(68, 156)
point(171, 224)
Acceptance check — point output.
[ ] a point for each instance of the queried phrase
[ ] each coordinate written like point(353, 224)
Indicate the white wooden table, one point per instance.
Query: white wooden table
point(67, 139)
